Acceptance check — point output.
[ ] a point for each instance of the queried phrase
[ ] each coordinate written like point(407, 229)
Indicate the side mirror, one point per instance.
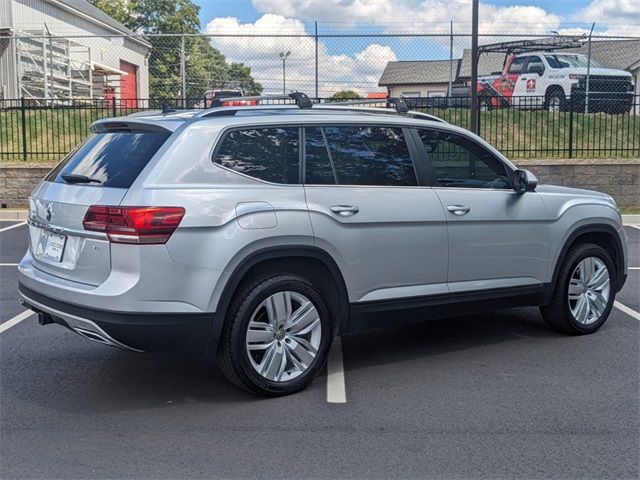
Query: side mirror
point(524, 181)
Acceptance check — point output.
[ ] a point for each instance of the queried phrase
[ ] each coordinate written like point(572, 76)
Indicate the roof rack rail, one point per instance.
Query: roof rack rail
point(410, 113)
point(559, 42)
point(299, 98)
point(398, 103)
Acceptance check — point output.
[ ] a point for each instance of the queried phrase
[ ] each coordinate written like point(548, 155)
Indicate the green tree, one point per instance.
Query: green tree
point(239, 74)
point(346, 95)
point(119, 10)
point(205, 66)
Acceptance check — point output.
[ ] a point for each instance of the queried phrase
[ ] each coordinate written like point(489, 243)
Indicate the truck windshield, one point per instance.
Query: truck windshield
point(570, 61)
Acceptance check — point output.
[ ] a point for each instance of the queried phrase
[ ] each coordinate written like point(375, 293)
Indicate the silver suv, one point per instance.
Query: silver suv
point(258, 233)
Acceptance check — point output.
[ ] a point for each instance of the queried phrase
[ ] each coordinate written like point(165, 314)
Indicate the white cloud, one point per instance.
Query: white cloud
point(620, 17)
point(411, 15)
point(359, 71)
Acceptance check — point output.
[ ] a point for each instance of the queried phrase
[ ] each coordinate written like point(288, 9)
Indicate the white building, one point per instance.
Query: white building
point(69, 49)
point(426, 78)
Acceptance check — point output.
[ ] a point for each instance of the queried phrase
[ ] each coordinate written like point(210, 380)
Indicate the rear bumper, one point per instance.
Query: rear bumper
point(156, 332)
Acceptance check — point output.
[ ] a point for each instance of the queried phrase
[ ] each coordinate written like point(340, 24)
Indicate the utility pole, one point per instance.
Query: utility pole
point(46, 81)
point(283, 56)
point(450, 59)
point(316, 38)
point(586, 96)
point(183, 72)
point(474, 67)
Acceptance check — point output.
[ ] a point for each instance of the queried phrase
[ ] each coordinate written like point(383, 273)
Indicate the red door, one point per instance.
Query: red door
point(129, 85)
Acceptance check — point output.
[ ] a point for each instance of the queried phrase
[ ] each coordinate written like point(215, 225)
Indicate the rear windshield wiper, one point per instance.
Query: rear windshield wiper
point(74, 178)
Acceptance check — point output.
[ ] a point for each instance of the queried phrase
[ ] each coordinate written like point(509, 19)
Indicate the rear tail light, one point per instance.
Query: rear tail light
point(239, 103)
point(139, 225)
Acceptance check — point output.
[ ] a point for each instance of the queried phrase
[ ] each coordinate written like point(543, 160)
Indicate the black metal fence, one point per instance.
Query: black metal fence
point(524, 128)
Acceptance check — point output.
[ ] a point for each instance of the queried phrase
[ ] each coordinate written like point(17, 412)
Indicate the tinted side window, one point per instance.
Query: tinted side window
point(517, 65)
point(358, 156)
point(535, 63)
point(269, 154)
point(460, 162)
point(116, 159)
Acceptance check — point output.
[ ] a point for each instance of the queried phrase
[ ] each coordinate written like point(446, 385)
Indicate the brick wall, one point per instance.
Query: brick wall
point(619, 178)
point(17, 180)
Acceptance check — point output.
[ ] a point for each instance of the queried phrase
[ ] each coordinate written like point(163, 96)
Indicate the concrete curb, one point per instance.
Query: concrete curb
point(18, 214)
point(13, 214)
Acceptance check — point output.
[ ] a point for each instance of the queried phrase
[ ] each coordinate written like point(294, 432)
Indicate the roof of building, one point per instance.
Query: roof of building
point(418, 72)
point(85, 8)
point(487, 63)
point(612, 53)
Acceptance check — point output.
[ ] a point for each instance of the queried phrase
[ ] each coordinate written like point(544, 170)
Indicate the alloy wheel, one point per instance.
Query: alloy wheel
point(589, 290)
point(283, 336)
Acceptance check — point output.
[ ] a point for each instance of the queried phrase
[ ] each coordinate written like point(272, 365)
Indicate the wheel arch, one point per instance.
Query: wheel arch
point(307, 260)
point(603, 235)
point(554, 88)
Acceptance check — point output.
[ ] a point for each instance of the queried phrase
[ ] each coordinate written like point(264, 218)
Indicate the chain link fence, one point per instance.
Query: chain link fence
point(547, 101)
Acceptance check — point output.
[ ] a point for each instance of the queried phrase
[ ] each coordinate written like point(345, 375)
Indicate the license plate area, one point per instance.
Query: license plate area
point(54, 247)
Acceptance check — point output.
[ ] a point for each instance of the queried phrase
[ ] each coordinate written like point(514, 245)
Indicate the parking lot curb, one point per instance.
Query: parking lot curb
point(13, 214)
point(631, 219)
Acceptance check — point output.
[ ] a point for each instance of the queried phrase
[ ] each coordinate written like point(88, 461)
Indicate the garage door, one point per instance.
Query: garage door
point(129, 85)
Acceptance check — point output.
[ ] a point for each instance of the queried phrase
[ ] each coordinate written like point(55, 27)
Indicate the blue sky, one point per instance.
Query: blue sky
point(245, 11)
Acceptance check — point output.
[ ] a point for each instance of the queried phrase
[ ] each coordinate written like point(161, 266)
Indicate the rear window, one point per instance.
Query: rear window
point(114, 158)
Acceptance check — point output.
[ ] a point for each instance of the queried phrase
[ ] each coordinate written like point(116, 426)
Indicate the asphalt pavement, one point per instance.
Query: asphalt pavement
point(489, 396)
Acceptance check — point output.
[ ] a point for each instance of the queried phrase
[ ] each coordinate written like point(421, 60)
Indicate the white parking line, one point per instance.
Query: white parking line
point(8, 264)
point(12, 226)
point(336, 391)
point(15, 320)
point(634, 268)
point(629, 311)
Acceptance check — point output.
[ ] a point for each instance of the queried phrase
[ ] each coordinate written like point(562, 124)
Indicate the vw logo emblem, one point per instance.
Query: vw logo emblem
point(49, 212)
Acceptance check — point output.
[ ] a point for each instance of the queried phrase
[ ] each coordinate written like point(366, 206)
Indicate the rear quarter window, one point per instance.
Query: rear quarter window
point(269, 154)
point(114, 158)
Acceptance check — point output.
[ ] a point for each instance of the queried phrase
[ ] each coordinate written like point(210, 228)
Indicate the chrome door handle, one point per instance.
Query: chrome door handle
point(345, 210)
point(459, 209)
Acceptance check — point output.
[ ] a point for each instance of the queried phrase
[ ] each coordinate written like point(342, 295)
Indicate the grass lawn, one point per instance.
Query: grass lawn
point(51, 133)
point(541, 134)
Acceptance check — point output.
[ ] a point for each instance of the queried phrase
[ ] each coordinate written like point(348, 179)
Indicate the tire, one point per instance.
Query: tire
point(562, 313)
point(273, 364)
point(555, 101)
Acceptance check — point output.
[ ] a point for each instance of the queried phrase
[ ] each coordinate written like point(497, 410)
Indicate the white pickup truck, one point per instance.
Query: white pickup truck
point(557, 82)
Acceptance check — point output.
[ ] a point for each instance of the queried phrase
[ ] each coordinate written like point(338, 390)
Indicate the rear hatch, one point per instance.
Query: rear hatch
point(98, 172)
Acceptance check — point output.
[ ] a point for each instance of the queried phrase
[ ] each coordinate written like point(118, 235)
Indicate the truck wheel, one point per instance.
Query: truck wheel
point(276, 335)
point(555, 101)
point(584, 292)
